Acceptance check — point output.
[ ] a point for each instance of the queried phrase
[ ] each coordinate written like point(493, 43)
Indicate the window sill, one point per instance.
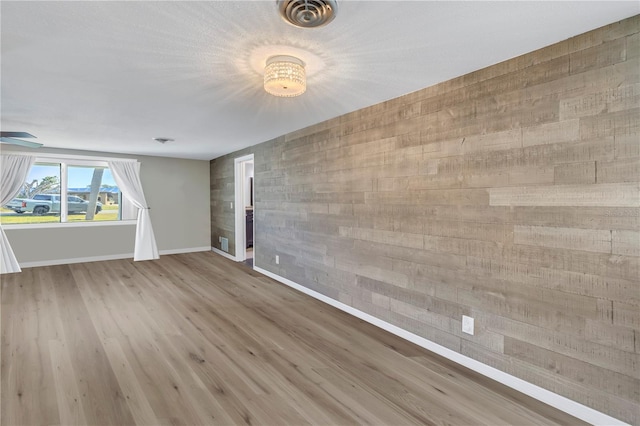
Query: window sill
point(69, 224)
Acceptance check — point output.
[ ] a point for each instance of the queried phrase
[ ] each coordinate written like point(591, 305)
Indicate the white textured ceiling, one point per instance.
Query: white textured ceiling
point(110, 76)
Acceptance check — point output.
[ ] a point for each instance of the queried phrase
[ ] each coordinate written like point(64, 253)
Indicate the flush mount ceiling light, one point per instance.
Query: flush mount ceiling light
point(308, 13)
point(284, 76)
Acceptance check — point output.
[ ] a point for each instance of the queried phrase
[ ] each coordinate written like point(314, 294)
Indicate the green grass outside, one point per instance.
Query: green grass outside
point(108, 213)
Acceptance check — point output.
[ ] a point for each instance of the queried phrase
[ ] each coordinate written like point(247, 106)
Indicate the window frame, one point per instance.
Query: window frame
point(73, 160)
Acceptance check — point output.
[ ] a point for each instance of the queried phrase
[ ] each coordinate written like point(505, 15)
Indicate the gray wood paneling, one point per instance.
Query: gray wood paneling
point(511, 194)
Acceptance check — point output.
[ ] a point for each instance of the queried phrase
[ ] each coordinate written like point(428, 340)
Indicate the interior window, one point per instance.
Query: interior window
point(38, 200)
point(91, 196)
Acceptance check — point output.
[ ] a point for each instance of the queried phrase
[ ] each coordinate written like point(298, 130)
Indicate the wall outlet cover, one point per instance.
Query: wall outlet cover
point(277, 259)
point(467, 325)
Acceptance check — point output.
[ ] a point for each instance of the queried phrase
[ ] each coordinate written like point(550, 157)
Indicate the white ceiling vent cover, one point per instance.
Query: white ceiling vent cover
point(308, 13)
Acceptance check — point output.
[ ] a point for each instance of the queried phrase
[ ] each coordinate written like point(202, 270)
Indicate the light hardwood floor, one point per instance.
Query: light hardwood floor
point(198, 339)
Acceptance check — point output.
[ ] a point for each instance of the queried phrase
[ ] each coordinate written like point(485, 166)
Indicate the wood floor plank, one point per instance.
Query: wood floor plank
point(69, 405)
point(101, 397)
point(28, 387)
point(364, 405)
point(196, 339)
point(136, 400)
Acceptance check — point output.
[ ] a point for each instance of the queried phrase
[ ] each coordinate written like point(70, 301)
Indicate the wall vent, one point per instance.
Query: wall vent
point(224, 244)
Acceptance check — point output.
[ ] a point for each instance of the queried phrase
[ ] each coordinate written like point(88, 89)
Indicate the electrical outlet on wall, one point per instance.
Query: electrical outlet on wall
point(231, 204)
point(467, 325)
point(219, 239)
point(277, 259)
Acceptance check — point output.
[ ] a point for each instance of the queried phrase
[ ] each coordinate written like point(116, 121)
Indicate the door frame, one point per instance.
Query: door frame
point(239, 211)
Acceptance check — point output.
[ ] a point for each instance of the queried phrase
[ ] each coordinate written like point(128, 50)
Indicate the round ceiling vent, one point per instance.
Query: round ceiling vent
point(163, 140)
point(308, 13)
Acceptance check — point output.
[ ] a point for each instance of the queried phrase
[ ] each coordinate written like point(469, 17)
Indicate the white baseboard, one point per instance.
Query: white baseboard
point(108, 257)
point(185, 250)
point(52, 262)
point(223, 253)
point(560, 402)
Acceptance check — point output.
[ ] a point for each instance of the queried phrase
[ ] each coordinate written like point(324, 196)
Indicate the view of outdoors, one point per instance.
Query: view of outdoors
point(92, 195)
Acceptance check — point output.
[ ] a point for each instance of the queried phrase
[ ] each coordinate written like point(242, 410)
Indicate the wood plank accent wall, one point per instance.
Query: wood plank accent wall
point(510, 194)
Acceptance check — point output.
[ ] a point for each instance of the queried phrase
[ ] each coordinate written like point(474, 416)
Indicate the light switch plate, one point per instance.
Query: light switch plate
point(467, 325)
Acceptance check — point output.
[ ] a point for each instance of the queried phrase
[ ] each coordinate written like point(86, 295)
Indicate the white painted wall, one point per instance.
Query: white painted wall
point(177, 191)
point(248, 173)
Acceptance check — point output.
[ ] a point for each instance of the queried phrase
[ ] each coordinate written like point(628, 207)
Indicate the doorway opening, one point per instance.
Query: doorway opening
point(244, 210)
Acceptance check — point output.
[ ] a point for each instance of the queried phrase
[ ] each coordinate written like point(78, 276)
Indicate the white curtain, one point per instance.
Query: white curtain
point(127, 176)
point(13, 172)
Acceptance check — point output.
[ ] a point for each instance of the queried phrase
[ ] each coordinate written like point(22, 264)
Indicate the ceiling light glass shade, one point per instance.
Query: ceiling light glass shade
point(284, 76)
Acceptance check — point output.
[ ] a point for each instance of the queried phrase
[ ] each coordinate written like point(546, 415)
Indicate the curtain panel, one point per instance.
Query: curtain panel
point(127, 176)
point(14, 170)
